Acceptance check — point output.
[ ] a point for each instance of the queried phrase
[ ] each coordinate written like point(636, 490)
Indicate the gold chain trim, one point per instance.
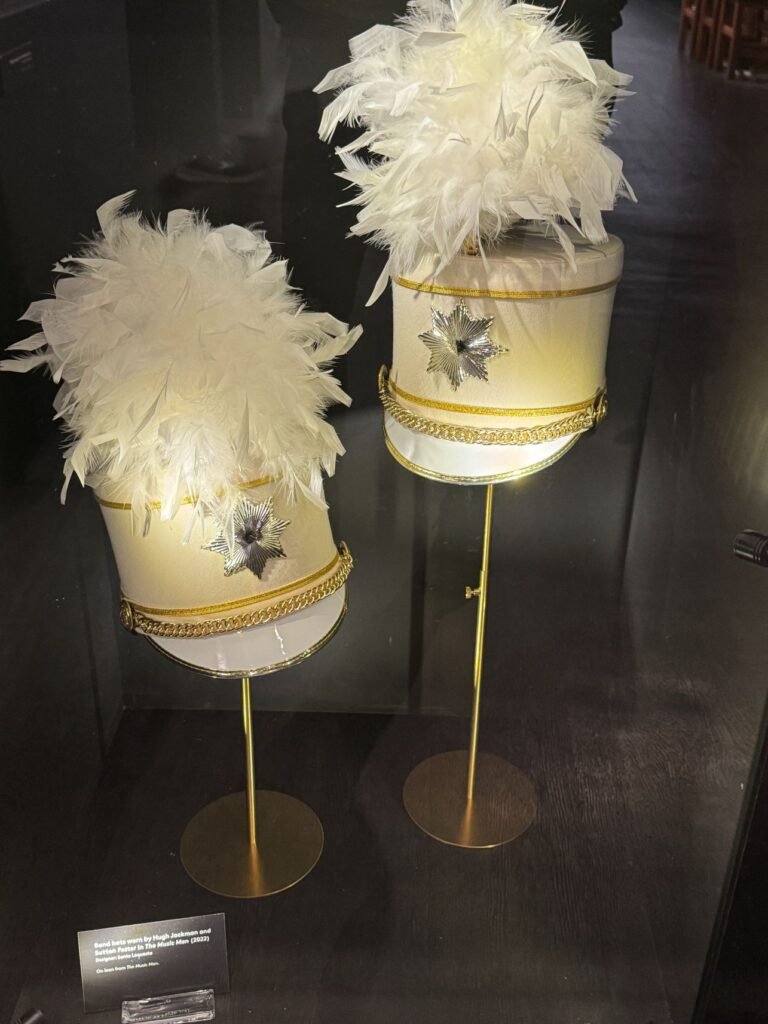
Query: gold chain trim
point(489, 293)
point(485, 410)
point(133, 619)
point(577, 423)
point(125, 506)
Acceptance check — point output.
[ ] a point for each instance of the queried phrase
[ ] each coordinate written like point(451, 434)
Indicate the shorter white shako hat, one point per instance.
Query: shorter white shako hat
point(283, 560)
point(193, 385)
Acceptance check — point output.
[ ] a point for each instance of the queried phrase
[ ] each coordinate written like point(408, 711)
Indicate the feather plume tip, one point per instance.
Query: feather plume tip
point(476, 114)
point(187, 364)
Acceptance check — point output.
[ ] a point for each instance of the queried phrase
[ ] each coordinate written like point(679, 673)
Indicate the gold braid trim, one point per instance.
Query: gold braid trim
point(133, 619)
point(577, 423)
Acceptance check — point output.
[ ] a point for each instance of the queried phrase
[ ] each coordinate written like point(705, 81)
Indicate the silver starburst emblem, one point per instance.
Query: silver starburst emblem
point(459, 345)
point(257, 532)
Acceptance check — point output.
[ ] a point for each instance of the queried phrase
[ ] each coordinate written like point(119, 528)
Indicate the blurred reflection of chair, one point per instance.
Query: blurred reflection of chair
point(690, 11)
point(706, 29)
point(741, 35)
point(699, 18)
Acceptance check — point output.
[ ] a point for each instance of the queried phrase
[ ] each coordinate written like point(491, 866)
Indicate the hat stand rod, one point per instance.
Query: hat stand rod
point(463, 798)
point(255, 843)
point(250, 770)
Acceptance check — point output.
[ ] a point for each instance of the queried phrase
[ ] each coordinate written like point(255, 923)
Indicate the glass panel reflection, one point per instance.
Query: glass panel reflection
point(624, 655)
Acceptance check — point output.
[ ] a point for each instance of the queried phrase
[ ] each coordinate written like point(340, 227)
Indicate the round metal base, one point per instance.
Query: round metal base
point(217, 854)
point(503, 806)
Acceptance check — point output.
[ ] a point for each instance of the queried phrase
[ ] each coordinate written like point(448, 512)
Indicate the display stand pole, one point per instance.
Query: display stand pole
point(481, 593)
point(250, 771)
point(222, 855)
point(461, 797)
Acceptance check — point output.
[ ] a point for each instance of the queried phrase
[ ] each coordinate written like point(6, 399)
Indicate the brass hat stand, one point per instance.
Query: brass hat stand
point(258, 842)
point(463, 798)
point(282, 843)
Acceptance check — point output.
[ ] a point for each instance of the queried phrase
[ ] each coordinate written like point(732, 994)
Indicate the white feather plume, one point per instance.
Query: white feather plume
point(476, 114)
point(187, 364)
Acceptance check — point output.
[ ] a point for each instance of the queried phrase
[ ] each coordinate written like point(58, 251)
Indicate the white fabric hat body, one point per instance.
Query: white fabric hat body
point(178, 587)
point(547, 341)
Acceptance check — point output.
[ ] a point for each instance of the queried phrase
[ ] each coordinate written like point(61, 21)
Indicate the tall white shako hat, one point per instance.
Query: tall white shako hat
point(193, 385)
point(486, 181)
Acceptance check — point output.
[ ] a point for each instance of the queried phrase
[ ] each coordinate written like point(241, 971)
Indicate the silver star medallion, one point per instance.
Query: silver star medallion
point(459, 345)
point(257, 538)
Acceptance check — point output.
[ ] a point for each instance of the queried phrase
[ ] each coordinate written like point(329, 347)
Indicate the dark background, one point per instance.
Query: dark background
point(625, 654)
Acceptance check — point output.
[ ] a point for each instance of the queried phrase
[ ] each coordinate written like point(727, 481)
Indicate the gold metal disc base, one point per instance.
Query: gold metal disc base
point(217, 854)
point(502, 808)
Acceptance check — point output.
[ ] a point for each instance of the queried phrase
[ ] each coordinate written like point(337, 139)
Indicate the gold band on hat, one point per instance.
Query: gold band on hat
point(485, 410)
point(243, 602)
point(575, 423)
point(126, 506)
point(491, 293)
point(134, 618)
